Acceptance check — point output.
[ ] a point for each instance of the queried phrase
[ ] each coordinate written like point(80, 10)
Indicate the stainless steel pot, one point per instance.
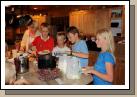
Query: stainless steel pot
point(22, 64)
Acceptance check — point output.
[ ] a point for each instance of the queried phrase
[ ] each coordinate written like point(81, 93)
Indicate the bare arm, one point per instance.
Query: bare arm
point(81, 55)
point(109, 73)
point(78, 54)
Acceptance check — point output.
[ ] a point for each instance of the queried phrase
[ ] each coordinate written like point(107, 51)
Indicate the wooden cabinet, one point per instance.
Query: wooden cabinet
point(90, 21)
point(84, 21)
point(103, 19)
point(119, 69)
point(119, 72)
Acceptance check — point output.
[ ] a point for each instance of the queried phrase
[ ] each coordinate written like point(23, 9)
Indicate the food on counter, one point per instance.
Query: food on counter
point(48, 74)
point(31, 59)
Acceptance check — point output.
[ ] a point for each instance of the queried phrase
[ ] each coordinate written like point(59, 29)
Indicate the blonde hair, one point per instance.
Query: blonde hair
point(107, 35)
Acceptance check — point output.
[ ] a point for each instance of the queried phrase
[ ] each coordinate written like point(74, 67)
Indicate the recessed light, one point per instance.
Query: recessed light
point(18, 16)
point(12, 9)
point(35, 8)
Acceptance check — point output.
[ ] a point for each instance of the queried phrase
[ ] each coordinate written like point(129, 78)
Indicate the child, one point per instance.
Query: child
point(44, 42)
point(103, 68)
point(61, 48)
point(79, 47)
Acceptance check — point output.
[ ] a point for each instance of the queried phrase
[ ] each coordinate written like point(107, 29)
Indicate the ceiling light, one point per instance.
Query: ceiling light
point(12, 9)
point(18, 16)
point(35, 8)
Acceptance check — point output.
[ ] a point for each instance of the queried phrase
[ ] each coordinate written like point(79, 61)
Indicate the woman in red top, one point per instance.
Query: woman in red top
point(44, 42)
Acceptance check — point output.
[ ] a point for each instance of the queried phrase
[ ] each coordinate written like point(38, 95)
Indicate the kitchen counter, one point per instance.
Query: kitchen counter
point(33, 78)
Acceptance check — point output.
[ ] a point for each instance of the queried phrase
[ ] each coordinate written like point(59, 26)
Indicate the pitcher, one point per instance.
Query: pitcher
point(73, 68)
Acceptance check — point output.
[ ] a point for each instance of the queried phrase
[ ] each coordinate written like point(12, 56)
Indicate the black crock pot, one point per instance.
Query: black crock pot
point(46, 61)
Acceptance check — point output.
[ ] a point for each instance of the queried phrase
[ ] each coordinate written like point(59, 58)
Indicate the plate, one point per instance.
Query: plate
point(43, 52)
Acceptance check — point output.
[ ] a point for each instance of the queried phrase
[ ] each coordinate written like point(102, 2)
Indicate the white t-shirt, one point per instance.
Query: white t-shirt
point(57, 51)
